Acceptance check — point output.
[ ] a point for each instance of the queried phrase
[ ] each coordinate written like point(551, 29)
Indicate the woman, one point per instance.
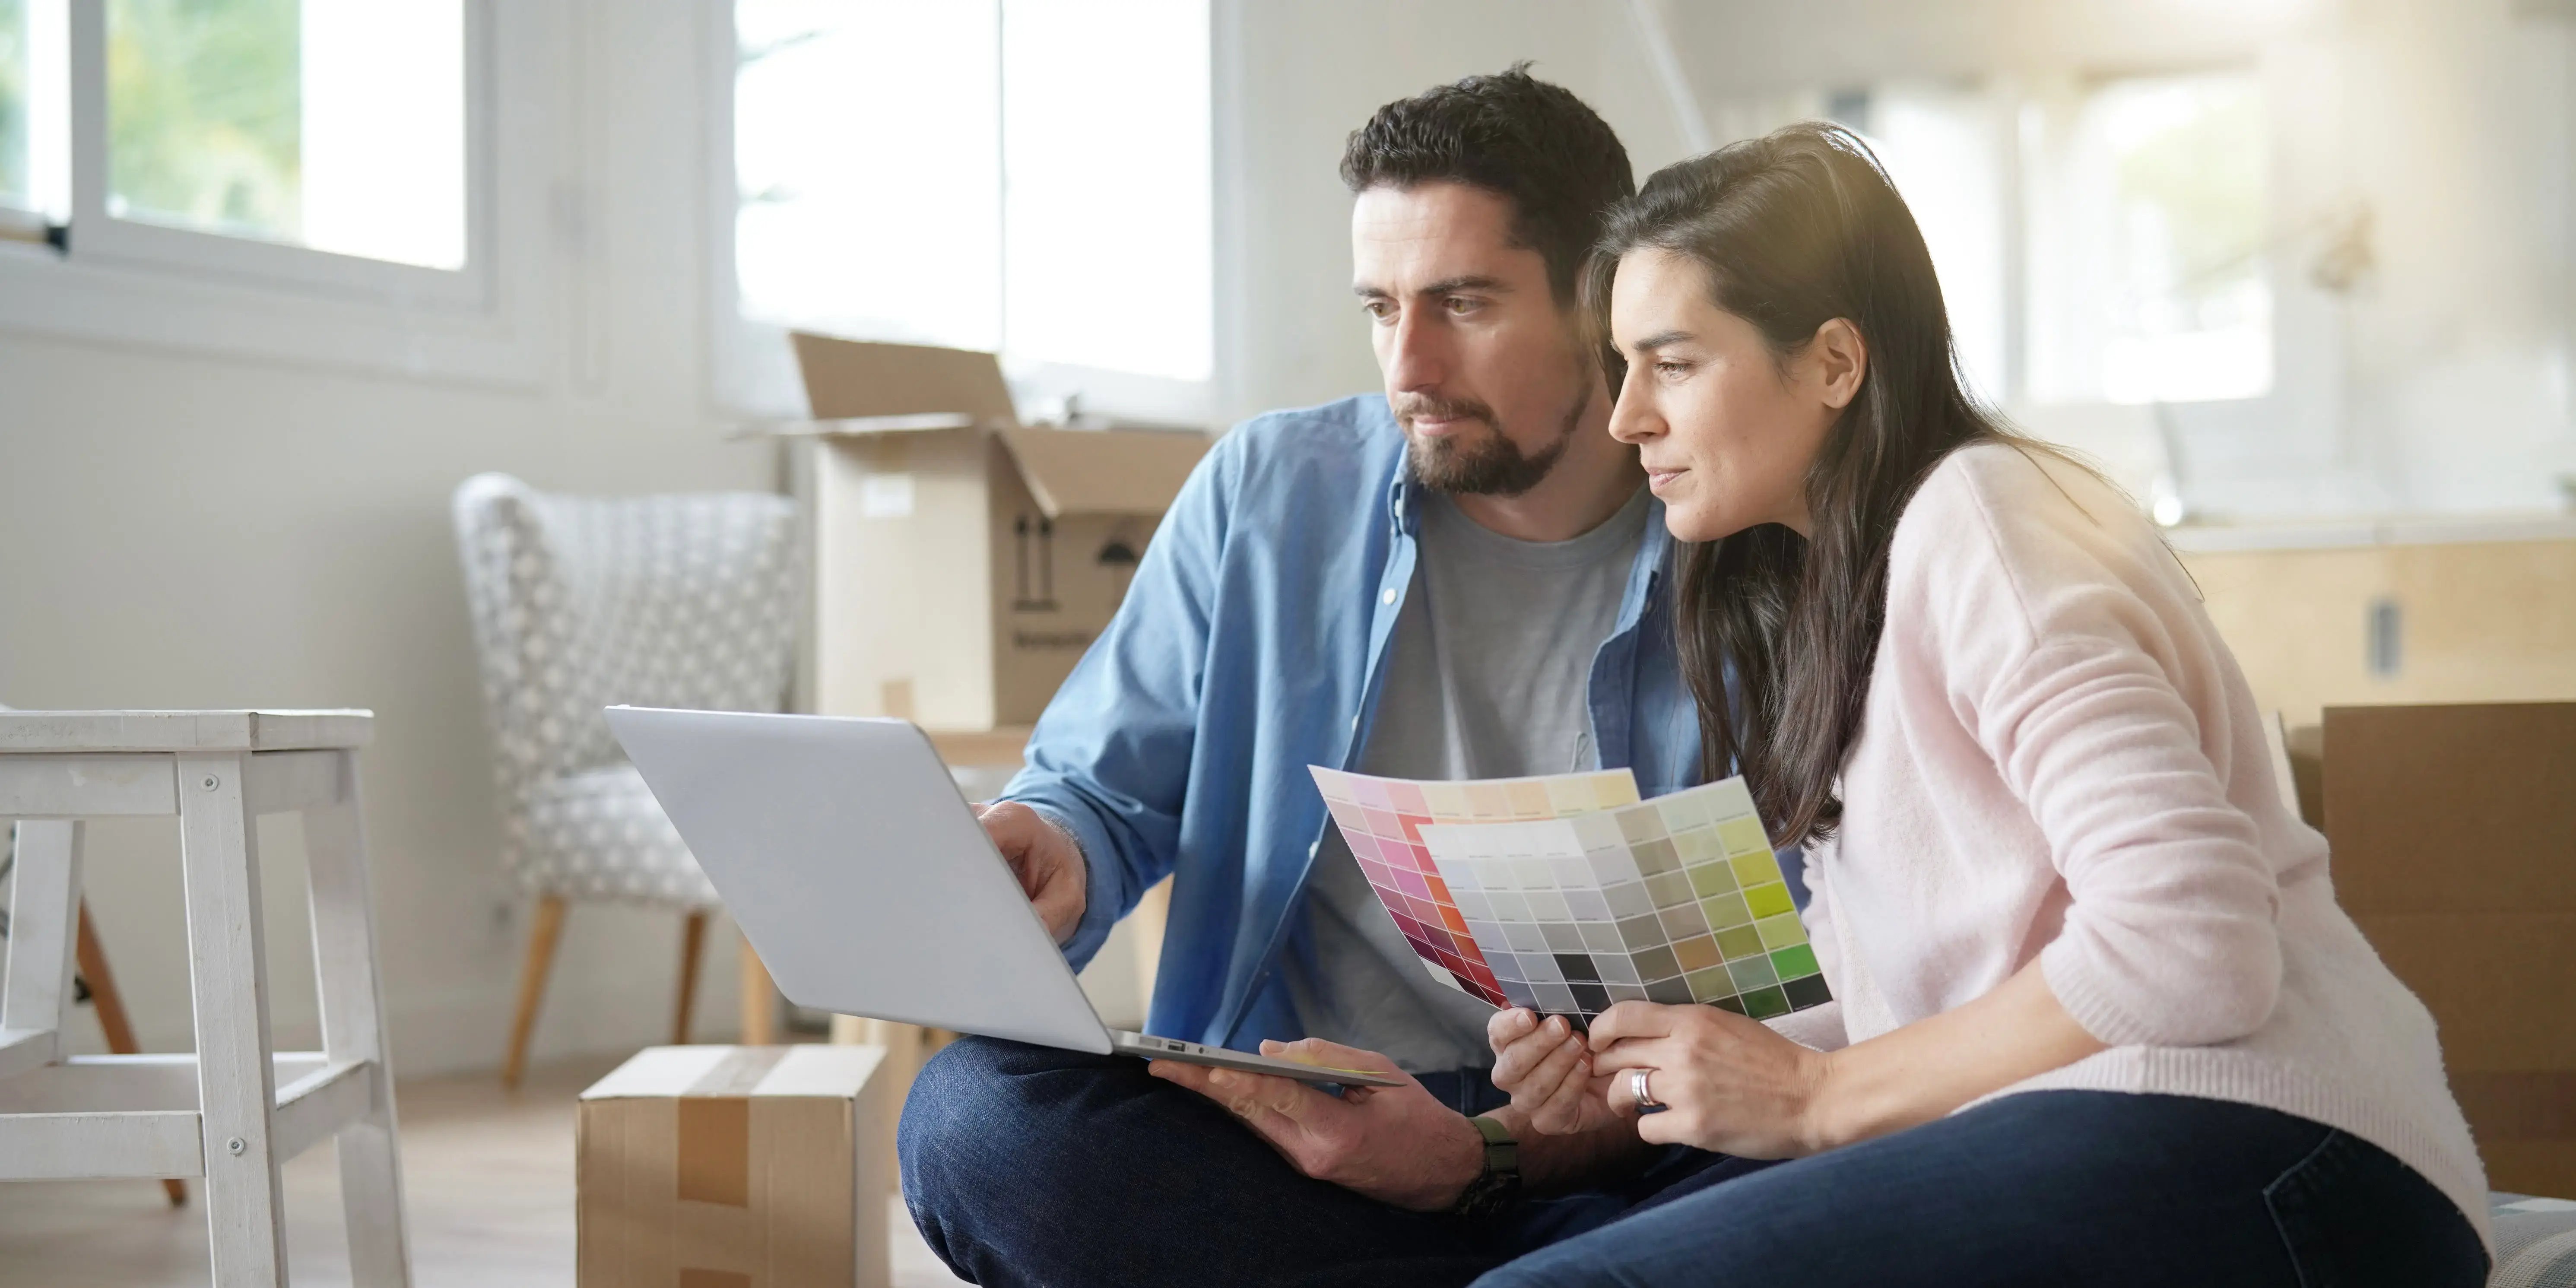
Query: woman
point(2100, 1018)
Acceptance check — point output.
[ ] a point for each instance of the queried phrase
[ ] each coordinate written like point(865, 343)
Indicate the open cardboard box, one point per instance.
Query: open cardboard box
point(963, 562)
point(2454, 847)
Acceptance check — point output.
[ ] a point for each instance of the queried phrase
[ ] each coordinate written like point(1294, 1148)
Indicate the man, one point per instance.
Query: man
point(1464, 578)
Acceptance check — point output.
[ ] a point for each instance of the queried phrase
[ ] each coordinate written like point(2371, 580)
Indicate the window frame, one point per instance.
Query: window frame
point(751, 373)
point(133, 281)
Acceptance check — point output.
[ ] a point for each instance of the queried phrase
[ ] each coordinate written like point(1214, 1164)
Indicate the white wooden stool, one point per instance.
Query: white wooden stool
point(236, 1109)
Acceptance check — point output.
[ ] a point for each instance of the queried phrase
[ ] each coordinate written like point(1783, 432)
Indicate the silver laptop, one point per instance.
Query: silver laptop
point(844, 851)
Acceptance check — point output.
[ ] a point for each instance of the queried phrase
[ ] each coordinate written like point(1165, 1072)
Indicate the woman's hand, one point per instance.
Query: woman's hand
point(1547, 1068)
point(1729, 1084)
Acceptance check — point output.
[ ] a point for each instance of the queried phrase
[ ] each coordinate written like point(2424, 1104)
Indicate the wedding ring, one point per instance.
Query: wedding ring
point(1637, 1091)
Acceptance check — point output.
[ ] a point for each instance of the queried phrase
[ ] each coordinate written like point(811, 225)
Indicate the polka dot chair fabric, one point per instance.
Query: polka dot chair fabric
point(581, 603)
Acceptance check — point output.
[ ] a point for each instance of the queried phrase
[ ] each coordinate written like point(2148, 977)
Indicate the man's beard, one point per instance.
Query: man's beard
point(1490, 465)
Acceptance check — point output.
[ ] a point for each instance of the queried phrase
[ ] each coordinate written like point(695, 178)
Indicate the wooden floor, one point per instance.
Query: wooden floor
point(490, 1177)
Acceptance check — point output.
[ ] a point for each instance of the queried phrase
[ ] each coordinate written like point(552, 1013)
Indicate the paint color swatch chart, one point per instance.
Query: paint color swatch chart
point(1566, 894)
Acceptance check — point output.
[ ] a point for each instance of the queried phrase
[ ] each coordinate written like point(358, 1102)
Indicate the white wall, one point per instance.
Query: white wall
point(184, 531)
point(1299, 78)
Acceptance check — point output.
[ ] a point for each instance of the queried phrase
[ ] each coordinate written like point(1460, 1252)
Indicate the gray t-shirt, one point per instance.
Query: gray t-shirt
point(1487, 676)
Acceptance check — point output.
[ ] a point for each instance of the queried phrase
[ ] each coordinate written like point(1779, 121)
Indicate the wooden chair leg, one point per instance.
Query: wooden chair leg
point(532, 984)
point(759, 1000)
point(112, 1020)
point(693, 937)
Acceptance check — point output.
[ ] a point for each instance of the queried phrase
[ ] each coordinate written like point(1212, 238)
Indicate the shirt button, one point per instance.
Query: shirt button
point(1386, 596)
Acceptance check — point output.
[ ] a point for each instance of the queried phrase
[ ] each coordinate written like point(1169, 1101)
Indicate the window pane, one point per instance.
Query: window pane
point(2188, 310)
point(13, 104)
point(1943, 149)
point(203, 110)
point(384, 129)
point(1105, 130)
point(866, 146)
point(335, 124)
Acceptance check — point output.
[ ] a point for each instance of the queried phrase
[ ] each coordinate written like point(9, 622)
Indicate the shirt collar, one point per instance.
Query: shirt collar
point(1404, 497)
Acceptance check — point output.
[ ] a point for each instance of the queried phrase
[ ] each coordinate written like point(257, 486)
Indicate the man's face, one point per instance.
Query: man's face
point(1482, 367)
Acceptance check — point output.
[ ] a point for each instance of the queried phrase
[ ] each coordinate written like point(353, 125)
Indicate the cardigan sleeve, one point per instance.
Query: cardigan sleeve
point(2073, 667)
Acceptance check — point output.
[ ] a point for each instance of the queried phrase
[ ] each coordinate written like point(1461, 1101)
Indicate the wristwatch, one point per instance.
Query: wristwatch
point(1500, 1182)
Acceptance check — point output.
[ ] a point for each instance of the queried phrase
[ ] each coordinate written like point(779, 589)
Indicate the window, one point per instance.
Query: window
point(2157, 206)
point(1943, 146)
point(1027, 176)
point(2105, 243)
point(34, 100)
point(203, 116)
point(13, 104)
point(319, 125)
point(331, 182)
point(1940, 145)
point(863, 147)
point(1106, 160)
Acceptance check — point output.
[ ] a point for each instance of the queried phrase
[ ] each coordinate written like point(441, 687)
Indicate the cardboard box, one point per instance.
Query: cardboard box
point(736, 1167)
point(962, 562)
point(2454, 842)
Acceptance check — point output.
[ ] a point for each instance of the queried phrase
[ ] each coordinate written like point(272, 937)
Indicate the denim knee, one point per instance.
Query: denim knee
point(971, 1122)
point(1551, 1267)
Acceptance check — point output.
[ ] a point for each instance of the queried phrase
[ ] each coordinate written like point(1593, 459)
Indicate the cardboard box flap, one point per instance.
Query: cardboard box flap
point(834, 1072)
point(851, 378)
point(657, 1071)
point(846, 426)
point(1104, 471)
point(812, 1069)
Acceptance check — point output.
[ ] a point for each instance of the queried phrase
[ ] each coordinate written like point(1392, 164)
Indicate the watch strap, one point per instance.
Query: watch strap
point(1499, 1182)
point(1502, 1153)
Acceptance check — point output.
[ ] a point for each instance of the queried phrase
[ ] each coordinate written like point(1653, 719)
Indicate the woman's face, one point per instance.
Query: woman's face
point(1725, 428)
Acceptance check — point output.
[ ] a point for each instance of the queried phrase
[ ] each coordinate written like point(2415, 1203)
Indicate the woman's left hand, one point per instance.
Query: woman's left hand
point(1729, 1083)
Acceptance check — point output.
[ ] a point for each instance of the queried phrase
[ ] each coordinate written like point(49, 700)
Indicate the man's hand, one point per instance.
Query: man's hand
point(1547, 1068)
point(1397, 1145)
point(1047, 862)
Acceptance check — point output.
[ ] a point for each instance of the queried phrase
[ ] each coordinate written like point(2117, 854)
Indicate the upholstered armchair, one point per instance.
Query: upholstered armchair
point(579, 603)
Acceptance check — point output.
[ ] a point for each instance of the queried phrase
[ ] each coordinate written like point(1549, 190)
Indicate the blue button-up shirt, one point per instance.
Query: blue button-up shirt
point(1253, 643)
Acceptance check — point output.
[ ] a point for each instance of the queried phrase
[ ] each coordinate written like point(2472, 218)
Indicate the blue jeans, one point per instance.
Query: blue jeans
point(1024, 1165)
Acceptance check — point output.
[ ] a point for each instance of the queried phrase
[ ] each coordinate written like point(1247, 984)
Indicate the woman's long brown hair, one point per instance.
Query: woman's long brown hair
point(1777, 632)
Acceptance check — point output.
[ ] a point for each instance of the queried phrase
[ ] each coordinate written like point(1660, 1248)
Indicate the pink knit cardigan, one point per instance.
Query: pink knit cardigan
point(2061, 760)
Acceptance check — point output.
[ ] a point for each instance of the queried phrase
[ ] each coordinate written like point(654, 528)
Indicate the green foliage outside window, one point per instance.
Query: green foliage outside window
point(13, 98)
point(205, 115)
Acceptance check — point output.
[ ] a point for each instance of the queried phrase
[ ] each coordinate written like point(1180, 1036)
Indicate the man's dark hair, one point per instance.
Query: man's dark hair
point(1516, 136)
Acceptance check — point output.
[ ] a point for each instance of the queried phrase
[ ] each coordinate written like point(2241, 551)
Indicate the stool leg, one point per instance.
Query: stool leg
point(112, 1022)
point(42, 897)
point(344, 959)
point(228, 975)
